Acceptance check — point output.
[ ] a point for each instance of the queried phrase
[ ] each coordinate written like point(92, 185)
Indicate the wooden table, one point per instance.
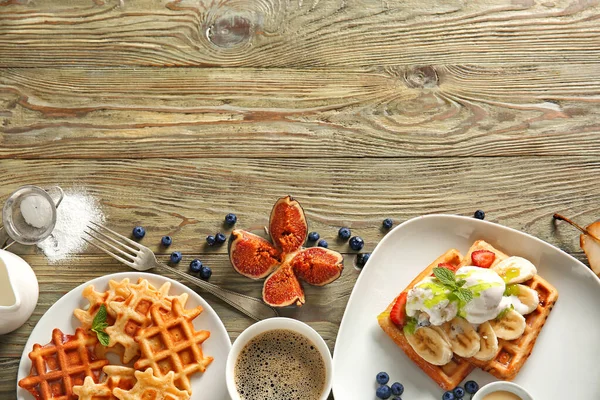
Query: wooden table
point(174, 113)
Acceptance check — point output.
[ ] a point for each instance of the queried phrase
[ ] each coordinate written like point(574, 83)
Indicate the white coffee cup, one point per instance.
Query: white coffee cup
point(269, 325)
point(502, 386)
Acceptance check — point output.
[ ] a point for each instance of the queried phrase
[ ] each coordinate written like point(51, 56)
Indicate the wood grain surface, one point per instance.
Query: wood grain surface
point(384, 112)
point(173, 113)
point(298, 33)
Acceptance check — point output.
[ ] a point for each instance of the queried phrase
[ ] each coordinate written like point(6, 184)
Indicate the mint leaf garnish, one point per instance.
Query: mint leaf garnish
point(445, 276)
point(448, 279)
point(464, 295)
point(100, 317)
point(99, 324)
point(103, 338)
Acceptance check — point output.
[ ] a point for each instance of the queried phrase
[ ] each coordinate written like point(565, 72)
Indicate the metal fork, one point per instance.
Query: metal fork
point(142, 258)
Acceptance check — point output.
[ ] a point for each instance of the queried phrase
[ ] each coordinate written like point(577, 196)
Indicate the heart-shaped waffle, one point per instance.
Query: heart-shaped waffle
point(61, 364)
point(171, 344)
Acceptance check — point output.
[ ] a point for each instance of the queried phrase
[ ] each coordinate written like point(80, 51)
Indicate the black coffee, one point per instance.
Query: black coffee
point(280, 365)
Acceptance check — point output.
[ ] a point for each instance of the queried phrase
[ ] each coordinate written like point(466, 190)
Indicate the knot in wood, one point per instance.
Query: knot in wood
point(230, 30)
point(421, 77)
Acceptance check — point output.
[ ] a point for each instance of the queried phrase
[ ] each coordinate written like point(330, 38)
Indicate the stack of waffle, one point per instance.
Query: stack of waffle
point(152, 333)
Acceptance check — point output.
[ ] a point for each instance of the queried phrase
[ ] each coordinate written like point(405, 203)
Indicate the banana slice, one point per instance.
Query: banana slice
point(523, 298)
point(430, 345)
point(515, 270)
point(488, 345)
point(439, 330)
point(463, 338)
point(510, 326)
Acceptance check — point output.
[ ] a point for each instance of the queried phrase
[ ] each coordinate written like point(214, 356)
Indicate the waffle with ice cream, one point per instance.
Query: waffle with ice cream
point(485, 309)
point(532, 299)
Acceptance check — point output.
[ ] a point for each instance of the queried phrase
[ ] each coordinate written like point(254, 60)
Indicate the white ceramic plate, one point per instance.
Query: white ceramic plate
point(564, 361)
point(60, 315)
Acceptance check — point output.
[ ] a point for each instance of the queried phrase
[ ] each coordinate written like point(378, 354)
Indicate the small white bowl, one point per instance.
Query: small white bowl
point(269, 325)
point(505, 386)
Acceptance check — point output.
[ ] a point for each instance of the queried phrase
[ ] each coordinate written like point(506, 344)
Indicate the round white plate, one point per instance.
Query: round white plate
point(60, 315)
point(564, 361)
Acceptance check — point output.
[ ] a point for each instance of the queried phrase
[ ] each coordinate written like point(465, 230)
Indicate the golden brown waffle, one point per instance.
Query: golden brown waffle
point(512, 354)
point(172, 345)
point(134, 313)
point(115, 376)
point(150, 387)
point(446, 376)
point(117, 291)
point(61, 364)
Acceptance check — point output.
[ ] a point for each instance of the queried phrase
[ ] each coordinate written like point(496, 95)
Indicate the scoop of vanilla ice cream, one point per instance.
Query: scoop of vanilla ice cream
point(431, 297)
point(487, 288)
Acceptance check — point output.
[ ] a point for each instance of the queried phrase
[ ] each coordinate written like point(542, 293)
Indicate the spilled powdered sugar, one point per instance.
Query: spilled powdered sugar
point(76, 211)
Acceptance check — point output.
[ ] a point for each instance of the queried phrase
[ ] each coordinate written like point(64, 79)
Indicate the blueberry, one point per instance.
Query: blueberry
point(166, 241)
point(396, 398)
point(344, 233)
point(205, 273)
point(471, 387)
point(362, 259)
point(383, 392)
point(356, 243)
point(230, 219)
point(382, 378)
point(459, 392)
point(220, 238)
point(479, 214)
point(196, 265)
point(397, 388)
point(313, 236)
point(388, 223)
point(211, 240)
point(448, 396)
point(323, 243)
point(139, 232)
point(175, 257)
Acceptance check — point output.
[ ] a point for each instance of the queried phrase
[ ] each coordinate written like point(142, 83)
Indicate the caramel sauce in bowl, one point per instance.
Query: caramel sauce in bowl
point(502, 391)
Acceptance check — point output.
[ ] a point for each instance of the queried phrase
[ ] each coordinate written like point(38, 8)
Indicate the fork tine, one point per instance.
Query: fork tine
point(104, 235)
point(132, 257)
point(116, 257)
point(131, 242)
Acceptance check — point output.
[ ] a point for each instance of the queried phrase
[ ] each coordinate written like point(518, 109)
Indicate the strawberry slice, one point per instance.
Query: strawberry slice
point(398, 313)
point(483, 258)
point(449, 266)
point(446, 265)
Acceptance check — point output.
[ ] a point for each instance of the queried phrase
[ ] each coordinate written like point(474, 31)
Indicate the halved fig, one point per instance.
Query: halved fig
point(287, 225)
point(317, 265)
point(251, 255)
point(282, 288)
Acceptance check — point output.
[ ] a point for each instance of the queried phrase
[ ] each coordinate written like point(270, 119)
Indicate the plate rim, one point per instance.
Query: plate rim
point(417, 219)
point(116, 275)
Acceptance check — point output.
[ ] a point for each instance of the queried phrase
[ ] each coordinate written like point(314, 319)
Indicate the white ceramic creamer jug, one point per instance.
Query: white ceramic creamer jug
point(18, 291)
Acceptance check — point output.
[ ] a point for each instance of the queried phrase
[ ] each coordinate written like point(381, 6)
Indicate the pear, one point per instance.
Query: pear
point(591, 246)
point(589, 240)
